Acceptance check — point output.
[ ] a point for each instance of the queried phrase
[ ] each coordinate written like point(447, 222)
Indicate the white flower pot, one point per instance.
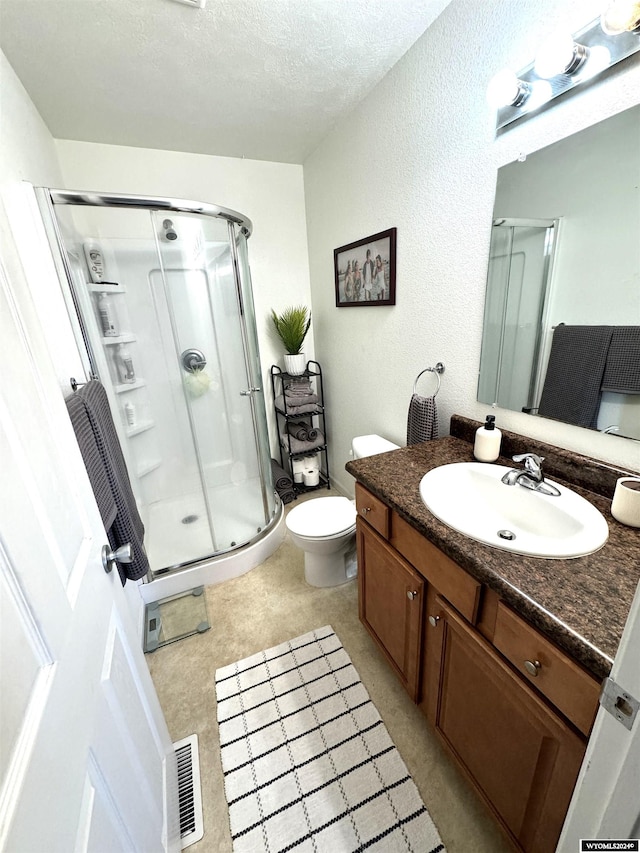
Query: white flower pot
point(295, 364)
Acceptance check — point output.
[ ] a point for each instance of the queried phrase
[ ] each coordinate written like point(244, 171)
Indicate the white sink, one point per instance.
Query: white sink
point(470, 497)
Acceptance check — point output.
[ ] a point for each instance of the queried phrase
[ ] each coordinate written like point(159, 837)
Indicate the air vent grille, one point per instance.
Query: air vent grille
point(189, 790)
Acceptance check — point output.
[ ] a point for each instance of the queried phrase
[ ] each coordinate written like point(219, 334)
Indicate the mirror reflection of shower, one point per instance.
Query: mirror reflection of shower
point(158, 300)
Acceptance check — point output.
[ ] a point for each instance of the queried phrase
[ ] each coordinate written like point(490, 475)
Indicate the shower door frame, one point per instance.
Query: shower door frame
point(47, 199)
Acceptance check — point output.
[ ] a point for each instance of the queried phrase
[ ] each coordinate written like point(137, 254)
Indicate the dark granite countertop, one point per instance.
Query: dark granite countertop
point(580, 603)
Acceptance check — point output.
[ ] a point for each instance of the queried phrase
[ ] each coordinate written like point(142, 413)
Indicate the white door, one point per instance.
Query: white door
point(606, 801)
point(85, 755)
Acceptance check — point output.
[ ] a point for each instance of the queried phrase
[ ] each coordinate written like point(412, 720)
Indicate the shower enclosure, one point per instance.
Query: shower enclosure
point(514, 342)
point(160, 296)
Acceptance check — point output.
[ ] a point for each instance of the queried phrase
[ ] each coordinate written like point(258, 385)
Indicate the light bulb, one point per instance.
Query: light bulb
point(560, 55)
point(621, 16)
point(505, 90)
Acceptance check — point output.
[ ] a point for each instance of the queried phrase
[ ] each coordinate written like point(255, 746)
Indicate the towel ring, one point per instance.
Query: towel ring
point(437, 370)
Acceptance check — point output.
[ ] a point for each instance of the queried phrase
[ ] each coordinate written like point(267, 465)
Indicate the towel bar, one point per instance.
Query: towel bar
point(437, 370)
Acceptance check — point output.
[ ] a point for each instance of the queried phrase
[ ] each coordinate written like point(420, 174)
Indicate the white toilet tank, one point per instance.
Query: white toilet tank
point(369, 445)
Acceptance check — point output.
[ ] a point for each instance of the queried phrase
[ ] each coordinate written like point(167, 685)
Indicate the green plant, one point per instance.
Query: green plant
point(292, 326)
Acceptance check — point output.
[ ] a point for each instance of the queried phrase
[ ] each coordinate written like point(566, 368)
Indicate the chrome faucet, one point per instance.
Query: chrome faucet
point(531, 476)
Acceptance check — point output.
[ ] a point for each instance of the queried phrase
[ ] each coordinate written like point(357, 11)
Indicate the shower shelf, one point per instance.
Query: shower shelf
point(148, 467)
point(120, 339)
point(112, 288)
point(141, 427)
point(129, 386)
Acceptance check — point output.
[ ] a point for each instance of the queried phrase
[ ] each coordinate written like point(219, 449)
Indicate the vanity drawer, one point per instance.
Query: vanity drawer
point(573, 691)
point(373, 510)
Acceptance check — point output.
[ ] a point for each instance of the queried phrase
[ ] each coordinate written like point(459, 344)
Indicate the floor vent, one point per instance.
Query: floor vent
point(189, 791)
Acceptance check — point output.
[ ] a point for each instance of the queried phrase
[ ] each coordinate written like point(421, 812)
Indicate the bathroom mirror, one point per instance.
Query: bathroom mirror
point(561, 333)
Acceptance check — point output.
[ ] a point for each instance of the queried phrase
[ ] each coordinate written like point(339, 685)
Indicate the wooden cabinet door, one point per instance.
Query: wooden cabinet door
point(390, 600)
point(522, 757)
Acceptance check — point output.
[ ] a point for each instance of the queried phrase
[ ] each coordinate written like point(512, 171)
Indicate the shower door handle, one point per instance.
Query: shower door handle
point(249, 392)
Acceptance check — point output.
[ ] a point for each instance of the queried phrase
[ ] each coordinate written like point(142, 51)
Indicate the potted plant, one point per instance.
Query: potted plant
point(292, 327)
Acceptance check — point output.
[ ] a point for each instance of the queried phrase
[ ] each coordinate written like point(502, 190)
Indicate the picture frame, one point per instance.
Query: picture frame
point(365, 271)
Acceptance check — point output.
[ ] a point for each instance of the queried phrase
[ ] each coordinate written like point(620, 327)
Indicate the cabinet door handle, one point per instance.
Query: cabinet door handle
point(533, 667)
point(433, 621)
point(411, 595)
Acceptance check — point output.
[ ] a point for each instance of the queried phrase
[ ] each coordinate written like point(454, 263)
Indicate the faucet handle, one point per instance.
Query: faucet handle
point(532, 463)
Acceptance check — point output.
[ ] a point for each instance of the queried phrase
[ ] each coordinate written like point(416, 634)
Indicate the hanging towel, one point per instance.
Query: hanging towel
point(282, 483)
point(298, 429)
point(127, 526)
point(92, 459)
point(422, 420)
point(571, 390)
point(622, 370)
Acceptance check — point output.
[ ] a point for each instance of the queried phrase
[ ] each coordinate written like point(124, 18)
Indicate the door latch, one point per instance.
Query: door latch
point(620, 704)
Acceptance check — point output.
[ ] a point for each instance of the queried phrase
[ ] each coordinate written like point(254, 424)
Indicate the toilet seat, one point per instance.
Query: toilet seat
point(322, 518)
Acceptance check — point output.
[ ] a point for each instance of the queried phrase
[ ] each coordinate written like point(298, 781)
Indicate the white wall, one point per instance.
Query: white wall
point(420, 153)
point(270, 194)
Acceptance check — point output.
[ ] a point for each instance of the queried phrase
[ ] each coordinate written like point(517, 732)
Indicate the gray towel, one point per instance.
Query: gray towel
point(127, 526)
point(282, 482)
point(298, 429)
point(300, 409)
point(92, 459)
point(295, 446)
point(622, 370)
point(571, 391)
point(422, 419)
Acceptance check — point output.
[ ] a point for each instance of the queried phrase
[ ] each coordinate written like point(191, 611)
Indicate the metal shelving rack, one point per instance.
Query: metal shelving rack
point(313, 372)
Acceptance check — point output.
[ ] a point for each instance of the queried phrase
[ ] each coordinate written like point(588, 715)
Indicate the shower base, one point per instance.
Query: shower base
point(177, 530)
point(218, 569)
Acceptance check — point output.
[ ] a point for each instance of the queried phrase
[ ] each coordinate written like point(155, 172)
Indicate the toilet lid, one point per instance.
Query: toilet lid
point(322, 517)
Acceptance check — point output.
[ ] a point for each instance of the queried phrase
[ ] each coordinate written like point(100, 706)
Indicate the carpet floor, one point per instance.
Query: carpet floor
point(308, 763)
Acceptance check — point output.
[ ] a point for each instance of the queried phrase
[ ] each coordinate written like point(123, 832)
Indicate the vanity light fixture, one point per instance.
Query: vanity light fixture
point(565, 61)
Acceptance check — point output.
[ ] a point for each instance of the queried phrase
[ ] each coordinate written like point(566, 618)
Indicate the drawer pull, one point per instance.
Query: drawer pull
point(411, 595)
point(365, 510)
point(533, 667)
point(433, 621)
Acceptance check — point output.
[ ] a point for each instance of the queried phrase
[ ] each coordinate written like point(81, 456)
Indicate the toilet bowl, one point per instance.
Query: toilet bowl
point(325, 528)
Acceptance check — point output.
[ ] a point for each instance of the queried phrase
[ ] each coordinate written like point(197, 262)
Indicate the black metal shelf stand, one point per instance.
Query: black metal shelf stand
point(279, 380)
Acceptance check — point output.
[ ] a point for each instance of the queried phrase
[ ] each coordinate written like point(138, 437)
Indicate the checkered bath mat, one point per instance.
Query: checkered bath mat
point(308, 763)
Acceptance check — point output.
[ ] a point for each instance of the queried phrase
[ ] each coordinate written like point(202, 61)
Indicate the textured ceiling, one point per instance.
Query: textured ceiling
point(264, 79)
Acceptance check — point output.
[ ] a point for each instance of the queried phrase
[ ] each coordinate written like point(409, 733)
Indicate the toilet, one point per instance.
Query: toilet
point(325, 528)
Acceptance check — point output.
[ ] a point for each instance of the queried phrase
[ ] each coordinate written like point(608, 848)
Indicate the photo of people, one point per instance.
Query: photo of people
point(365, 273)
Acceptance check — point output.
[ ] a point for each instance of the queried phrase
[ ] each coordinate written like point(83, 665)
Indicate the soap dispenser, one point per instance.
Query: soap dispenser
point(486, 447)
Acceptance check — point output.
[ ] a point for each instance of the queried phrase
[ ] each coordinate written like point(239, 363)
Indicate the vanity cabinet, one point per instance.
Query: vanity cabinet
point(510, 707)
point(390, 603)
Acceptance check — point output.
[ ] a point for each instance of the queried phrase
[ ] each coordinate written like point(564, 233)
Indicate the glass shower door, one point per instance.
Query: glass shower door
point(517, 292)
point(215, 366)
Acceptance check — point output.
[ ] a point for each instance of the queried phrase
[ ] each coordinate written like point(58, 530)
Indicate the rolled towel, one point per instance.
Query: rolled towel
point(298, 429)
point(288, 441)
point(281, 480)
point(312, 432)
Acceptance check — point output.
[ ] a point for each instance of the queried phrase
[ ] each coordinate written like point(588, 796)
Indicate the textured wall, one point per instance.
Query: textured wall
point(270, 194)
point(420, 153)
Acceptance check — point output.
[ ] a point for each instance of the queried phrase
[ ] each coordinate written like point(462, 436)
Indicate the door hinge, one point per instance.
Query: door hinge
point(621, 705)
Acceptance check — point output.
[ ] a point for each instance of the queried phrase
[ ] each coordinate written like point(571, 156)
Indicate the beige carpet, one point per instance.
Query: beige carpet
point(263, 608)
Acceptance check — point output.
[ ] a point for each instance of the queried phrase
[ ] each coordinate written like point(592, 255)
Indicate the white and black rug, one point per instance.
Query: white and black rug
point(308, 763)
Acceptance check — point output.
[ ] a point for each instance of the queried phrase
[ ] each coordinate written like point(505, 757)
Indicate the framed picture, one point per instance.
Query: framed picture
point(365, 271)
